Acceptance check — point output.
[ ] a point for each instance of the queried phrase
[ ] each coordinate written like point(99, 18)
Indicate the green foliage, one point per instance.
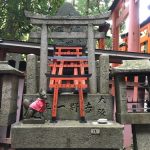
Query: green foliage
point(108, 43)
point(13, 23)
point(92, 7)
point(55, 4)
point(95, 7)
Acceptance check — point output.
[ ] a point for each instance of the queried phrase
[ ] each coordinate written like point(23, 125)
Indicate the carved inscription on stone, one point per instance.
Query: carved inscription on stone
point(95, 107)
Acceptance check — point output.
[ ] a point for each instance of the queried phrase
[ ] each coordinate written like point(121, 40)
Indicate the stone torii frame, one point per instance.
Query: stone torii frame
point(89, 21)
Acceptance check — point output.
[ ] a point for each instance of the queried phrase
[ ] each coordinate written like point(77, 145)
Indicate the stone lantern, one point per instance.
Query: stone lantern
point(9, 78)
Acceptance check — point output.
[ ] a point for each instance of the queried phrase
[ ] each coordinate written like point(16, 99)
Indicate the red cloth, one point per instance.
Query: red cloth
point(38, 105)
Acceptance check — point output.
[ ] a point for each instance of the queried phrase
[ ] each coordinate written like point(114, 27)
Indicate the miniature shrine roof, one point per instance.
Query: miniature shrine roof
point(134, 67)
point(7, 69)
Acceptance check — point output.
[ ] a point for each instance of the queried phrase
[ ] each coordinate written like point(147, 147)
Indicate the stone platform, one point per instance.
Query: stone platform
point(67, 134)
point(96, 106)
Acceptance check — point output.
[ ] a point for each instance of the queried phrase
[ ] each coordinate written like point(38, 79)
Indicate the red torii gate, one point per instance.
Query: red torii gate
point(119, 13)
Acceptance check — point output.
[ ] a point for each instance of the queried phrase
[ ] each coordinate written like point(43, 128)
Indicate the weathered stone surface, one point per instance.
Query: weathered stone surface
point(9, 100)
point(43, 58)
point(96, 106)
point(104, 74)
point(133, 67)
point(7, 69)
point(97, 75)
point(37, 16)
point(133, 118)
point(31, 73)
point(71, 35)
point(14, 56)
point(120, 93)
point(142, 136)
point(91, 60)
point(33, 121)
point(68, 10)
point(8, 93)
point(68, 134)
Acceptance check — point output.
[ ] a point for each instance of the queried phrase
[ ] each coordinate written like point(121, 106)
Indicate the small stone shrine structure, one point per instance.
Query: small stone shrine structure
point(133, 112)
point(68, 132)
point(90, 34)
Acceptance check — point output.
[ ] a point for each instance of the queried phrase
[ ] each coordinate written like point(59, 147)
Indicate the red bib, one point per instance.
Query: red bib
point(38, 105)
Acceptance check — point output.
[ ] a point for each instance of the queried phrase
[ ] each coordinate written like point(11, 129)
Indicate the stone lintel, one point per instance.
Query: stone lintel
point(133, 118)
point(72, 35)
point(60, 18)
point(67, 22)
point(68, 134)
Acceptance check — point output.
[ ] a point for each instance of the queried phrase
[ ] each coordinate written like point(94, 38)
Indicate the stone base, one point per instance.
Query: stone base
point(67, 134)
point(141, 136)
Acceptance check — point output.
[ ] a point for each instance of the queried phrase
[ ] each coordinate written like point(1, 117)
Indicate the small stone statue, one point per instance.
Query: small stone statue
point(39, 105)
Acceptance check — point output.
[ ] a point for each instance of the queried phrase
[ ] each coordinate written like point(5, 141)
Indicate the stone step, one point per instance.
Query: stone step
point(96, 106)
point(67, 134)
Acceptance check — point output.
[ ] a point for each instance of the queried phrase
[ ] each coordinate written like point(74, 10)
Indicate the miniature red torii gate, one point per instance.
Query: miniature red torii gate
point(67, 58)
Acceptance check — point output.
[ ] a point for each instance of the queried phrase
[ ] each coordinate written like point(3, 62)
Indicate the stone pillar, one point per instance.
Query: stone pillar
point(31, 74)
point(104, 74)
point(38, 75)
point(120, 92)
point(91, 60)
point(43, 57)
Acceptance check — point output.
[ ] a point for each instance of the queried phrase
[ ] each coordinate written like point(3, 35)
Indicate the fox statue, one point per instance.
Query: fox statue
point(39, 105)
